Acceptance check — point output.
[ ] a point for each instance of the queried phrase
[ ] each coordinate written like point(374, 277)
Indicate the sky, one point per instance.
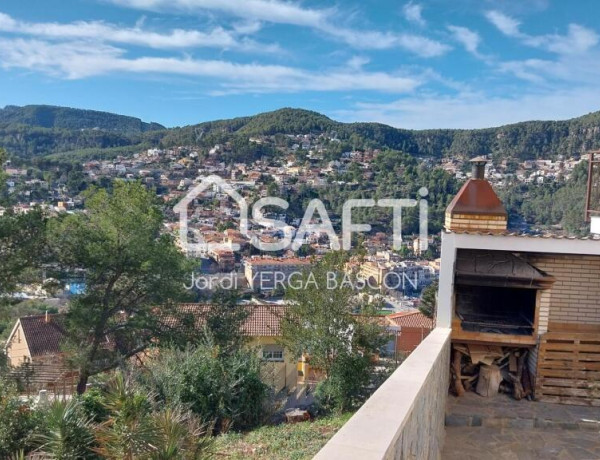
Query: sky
point(413, 64)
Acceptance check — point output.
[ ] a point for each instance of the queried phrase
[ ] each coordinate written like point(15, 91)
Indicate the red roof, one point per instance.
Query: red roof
point(43, 337)
point(263, 320)
point(410, 319)
point(477, 197)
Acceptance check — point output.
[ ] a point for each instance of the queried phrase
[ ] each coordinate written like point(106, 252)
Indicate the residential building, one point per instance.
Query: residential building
point(412, 327)
point(269, 273)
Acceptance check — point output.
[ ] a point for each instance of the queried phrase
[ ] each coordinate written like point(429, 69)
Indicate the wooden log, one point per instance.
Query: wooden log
point(489, 381)
point(526, 381)
point(456, 367)
point(512, 363)
point(518, 390)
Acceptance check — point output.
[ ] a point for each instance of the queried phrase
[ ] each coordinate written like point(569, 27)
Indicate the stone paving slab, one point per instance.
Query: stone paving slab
point(504, 407)
point(482, 443)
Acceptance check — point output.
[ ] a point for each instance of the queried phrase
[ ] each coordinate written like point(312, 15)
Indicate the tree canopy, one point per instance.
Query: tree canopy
point(133, 275)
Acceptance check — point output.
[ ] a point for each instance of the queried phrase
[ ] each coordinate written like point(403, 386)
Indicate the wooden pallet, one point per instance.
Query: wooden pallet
point(568, 369)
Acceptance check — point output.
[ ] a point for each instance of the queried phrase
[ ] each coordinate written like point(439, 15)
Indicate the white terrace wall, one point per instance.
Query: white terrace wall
point(404, 418)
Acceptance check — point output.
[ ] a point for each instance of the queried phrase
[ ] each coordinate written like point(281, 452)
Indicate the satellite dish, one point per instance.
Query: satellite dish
point(592, 205)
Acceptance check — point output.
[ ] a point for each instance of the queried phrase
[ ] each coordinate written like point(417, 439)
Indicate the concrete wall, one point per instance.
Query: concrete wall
point(404, 419)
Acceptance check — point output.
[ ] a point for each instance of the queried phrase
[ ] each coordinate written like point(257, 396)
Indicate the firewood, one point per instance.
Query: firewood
point(456, 365)
point(526, 380)
point(512, 363)
point(489, 380)
point(518, 391)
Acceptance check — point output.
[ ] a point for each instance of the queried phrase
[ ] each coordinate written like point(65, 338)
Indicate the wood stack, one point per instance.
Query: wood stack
point(489, 369)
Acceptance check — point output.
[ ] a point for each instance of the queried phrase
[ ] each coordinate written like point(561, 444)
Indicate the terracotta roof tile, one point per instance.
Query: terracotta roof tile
point(43, 337)
point(410, 319)
point(263, 320)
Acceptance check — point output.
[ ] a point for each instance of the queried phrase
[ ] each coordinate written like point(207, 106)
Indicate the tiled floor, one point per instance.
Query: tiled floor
point(502, 428)
point(482, 443)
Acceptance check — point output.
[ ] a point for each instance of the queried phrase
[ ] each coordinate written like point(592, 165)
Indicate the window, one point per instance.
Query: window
point(273, 354)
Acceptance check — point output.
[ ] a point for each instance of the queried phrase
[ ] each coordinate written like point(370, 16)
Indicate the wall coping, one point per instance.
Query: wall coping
point(373, 431)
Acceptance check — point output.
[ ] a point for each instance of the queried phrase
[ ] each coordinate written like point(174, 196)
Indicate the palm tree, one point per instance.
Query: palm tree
point(180, 435)
point(70, 432)
point(128, 433)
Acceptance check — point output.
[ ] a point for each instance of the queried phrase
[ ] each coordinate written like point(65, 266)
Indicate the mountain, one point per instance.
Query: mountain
point(526, 140)
point(48, 116)
point(41, 130)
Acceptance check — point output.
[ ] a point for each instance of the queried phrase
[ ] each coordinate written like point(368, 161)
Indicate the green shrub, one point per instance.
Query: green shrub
point(346, 385)
point(68, 432)
point(93, 405)
point(19, 425)
point(224, 389)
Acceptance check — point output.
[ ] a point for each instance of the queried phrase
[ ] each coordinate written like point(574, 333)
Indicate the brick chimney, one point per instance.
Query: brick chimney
point(476, 207)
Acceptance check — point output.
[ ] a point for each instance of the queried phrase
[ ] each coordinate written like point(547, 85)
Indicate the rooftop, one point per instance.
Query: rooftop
point(43, 336)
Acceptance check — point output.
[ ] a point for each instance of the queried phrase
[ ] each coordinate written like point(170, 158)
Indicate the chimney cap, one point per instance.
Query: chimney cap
point(479, 159)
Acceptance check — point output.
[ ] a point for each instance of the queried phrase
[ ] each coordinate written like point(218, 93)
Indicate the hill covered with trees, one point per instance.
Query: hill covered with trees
point(49, 116)
point(526, 140)
point(42, 130)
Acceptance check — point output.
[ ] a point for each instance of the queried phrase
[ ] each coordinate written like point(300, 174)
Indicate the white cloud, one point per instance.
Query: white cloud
point(362, 39)
point(505, 24)
point(469, 39)
point(104, 32)
point(474, 110)
point(280, 12)
point(413, 12)
point(262, 10)
point(578, 40)
point(77, 60)
point(357, 62)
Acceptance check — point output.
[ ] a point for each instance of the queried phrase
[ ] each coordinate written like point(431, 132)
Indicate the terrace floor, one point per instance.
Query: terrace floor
point(502, 428)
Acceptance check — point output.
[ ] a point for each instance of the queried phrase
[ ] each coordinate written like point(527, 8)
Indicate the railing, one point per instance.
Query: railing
point(404, 418)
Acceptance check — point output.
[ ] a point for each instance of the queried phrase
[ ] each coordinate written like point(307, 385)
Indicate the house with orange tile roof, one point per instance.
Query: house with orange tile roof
point(411, 329)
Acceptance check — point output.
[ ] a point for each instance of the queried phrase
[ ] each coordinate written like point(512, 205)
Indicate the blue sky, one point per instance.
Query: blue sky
point(416, 64)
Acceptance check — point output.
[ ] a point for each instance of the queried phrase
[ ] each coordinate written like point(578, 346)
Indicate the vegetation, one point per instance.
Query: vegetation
point(527, 140)
point(131, 270)
point(282, 442)
point(322, 324)
point(48, 116)
point(558, 203)
point(428, 305)
point(224, 389)
point(133, 425)
point(40, 130)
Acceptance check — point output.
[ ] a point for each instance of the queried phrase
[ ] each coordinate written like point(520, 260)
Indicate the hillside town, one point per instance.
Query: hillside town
point(301, 161)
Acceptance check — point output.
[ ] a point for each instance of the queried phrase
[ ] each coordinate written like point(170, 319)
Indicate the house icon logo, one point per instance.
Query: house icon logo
point(199, 245)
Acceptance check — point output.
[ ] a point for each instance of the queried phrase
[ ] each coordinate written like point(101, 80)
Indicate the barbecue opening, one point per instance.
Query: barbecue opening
point(499, 310)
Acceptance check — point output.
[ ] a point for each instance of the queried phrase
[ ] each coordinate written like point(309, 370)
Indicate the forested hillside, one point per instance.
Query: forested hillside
point(48, 116)
point(527, 140)
point(42, 130)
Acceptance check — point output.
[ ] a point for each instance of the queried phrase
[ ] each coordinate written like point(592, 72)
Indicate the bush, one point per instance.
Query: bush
point(224, 389)
point(93, 405)
point(68, 432)
point(19, 424)
point(346, 385)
